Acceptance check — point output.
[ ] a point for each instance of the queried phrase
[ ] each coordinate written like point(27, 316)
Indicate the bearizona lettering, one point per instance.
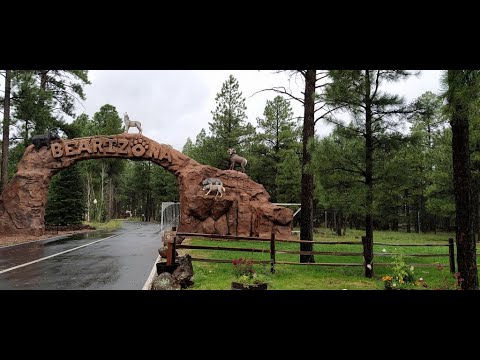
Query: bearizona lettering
point(107, 146)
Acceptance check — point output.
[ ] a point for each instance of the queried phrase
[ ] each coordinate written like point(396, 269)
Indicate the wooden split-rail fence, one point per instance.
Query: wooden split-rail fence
point(172, 245)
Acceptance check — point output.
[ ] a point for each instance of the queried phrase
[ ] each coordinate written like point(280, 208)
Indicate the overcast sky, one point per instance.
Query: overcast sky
point(173, 105)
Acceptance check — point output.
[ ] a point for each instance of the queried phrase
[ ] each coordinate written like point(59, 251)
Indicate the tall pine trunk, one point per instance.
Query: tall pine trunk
point(419, 213)
point(466, 251)
point(339, 223)
point(88, 197)
point(407, 211)
point(6, 130)
point(306, 225)
point(110, 200)
point(368, 178)
point(474, 201)
point(102, 196)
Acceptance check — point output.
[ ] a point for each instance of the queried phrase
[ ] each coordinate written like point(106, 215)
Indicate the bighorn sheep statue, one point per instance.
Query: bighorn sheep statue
point(129, 124)
point(220, 189)
point(236, 159)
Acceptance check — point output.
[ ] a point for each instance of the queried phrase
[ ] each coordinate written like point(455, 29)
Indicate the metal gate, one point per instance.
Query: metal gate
point(170, 215)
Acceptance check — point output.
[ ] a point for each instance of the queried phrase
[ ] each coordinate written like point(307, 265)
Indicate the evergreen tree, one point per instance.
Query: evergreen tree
point(440, 199)
point(279, 134)
point(205, 150)
point(428, 117)
point(306, 224)
point(5, 129)
point(189, 147)
point(66, 201)
point(44, 96)
point(426, 121)
point(374, 114)
point(107, 122)
point(288, 177)
point(462, 98)
point(229, 127)
point(337, 161)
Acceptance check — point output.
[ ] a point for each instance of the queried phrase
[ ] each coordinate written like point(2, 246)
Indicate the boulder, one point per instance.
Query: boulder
point(163, 252)
point(165, 281)
point(183, 274)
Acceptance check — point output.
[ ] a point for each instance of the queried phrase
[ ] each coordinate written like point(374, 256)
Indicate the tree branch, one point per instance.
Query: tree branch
point(320, 78)
point(280, 90)
point(346, 127)
point(328, 112)
point(352, 171)
point(404, 110)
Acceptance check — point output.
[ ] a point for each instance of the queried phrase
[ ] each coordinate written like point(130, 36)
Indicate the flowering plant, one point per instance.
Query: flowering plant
point(450, 282)
point(245, 274)
point(403, 275)
point(243, 267)
point(388, 282)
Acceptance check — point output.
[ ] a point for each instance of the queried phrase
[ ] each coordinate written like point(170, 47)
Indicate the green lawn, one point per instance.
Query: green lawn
point(106, 226)
point(310, 277)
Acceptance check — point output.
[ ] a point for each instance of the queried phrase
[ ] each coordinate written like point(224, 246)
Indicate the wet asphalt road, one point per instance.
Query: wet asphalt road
point(121, 262)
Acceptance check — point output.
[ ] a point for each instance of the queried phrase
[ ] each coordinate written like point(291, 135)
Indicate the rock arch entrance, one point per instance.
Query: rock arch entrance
point(245, 209)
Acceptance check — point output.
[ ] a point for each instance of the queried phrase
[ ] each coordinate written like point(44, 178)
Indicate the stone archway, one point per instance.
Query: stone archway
point(245, 209)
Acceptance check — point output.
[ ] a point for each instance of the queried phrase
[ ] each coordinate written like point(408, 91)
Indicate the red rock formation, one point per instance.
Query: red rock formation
point(245, 209)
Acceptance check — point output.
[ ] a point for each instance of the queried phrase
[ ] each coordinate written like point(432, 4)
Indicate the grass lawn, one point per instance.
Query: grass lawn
point(218, 276)
point(106, 226)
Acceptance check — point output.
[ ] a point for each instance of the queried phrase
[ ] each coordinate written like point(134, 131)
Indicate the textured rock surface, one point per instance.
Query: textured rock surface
point(165, 281)
point(245, 209)
point(164, 251)
point(183, 274)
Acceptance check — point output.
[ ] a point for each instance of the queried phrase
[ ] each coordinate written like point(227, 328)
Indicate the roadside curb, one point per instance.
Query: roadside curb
point(148, 283)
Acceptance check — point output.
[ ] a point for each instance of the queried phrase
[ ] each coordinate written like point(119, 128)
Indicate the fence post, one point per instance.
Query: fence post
point(171, 252)
point(272, 253)
point(368, 257)
point(451, 253)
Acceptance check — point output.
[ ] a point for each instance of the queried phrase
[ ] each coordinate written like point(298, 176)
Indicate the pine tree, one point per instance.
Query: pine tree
point(229, 127)
point(336, 160)
point(6, 130)
point(462, 95)
point(45, 95)
point(440, 198)
point(279, 134)
point(374, 119)
point(314, 109)
point(288, 177)
point(107, 122)
point(66, 200)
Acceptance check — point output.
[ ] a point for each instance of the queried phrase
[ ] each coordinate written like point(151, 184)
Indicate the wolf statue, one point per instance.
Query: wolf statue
point(213, 181)
point(220, 189)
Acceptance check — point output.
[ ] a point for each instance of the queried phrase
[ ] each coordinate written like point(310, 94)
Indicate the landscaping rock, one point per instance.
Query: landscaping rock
point(165, 281)
point(183, 274)
point(163, 252)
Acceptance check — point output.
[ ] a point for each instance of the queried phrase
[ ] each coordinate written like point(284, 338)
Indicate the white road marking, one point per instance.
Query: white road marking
point(60, 253)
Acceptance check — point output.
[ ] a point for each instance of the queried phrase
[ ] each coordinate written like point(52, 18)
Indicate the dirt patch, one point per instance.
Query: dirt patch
point(13, 240)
